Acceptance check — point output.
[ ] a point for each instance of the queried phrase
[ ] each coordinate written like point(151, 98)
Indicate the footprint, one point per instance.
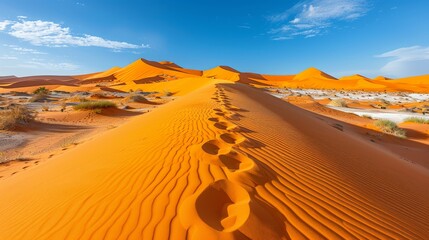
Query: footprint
point(25, 167)
point(226, 125)
point(215, 147)
point(232, 138)
point(223, 206)
point(214, 119)
point(236, 162)
point(234, 108)
point(233, 116)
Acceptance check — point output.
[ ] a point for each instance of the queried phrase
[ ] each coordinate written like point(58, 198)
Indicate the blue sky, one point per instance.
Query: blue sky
point(341, 37)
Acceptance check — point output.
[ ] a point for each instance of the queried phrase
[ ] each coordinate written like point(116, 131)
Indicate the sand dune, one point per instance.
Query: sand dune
point(141, 72)
point(223, 72)
point(313, 73)
point(355, 77)
point(104, 74)
point(224, 161)
point(142, 69)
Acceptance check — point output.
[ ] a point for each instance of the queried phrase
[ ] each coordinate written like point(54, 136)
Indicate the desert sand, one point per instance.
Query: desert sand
point(224, 159)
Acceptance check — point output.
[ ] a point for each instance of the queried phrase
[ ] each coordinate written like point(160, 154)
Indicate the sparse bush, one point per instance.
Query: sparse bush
point(39, 94)
point(390, 127)
point(367, 116)
point(136, 98)
point(167, 93)
point(41, 90)
point(14, 115)
point(417, 120)
point(338, 103)
point(94, 105)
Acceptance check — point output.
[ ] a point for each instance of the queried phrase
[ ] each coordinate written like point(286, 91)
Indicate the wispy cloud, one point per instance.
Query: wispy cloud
point(50, 34)
point(7, 57)
point(22, 50)
point(406, 61)
point(244, 26)
point(313, 17)
point(64, 66)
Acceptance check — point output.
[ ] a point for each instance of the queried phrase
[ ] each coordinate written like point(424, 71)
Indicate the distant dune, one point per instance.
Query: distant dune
point(144, 71)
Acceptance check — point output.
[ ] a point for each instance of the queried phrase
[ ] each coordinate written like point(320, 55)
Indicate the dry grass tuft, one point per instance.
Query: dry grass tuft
point(94, 105)
point(338, 103)
point(417, 120)
point(390, 127)
point(11, 117)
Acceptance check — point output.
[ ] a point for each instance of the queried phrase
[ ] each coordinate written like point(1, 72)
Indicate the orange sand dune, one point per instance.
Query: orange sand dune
point(313, 73)
point(142, 69)
point(355, 77)
point(225, 161)
point(181, 69)
point(314, 78)
point(228, 73)
point(424, 80)
point(104, 74)
point(222, 72)
point(142, 72)
point(34, 80)
point(170, 64)
point(381, 78)
point(41, 82)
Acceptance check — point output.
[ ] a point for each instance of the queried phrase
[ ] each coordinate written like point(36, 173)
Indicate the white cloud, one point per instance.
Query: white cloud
point(406, 61)
point(50, 34)
point(311, 17)
point(4, 24)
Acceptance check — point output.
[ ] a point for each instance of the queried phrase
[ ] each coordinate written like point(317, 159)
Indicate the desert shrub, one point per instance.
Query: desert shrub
point(94, 105)
point(39, 94)
point(367, 116)
point(41, 90)
point(390, 127)
point(417, 120)
point(167, 93)
point(338, 103)
point(135, 98)
point(14, 115)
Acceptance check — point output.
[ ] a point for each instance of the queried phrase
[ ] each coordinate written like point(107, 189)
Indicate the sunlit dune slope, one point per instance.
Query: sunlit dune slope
point(143, 71)
point(222, 72)
point(225, 161)
point(313, 73)
point(355, 77)
point(424, 80)
point(104, 74)
point(180, 69)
